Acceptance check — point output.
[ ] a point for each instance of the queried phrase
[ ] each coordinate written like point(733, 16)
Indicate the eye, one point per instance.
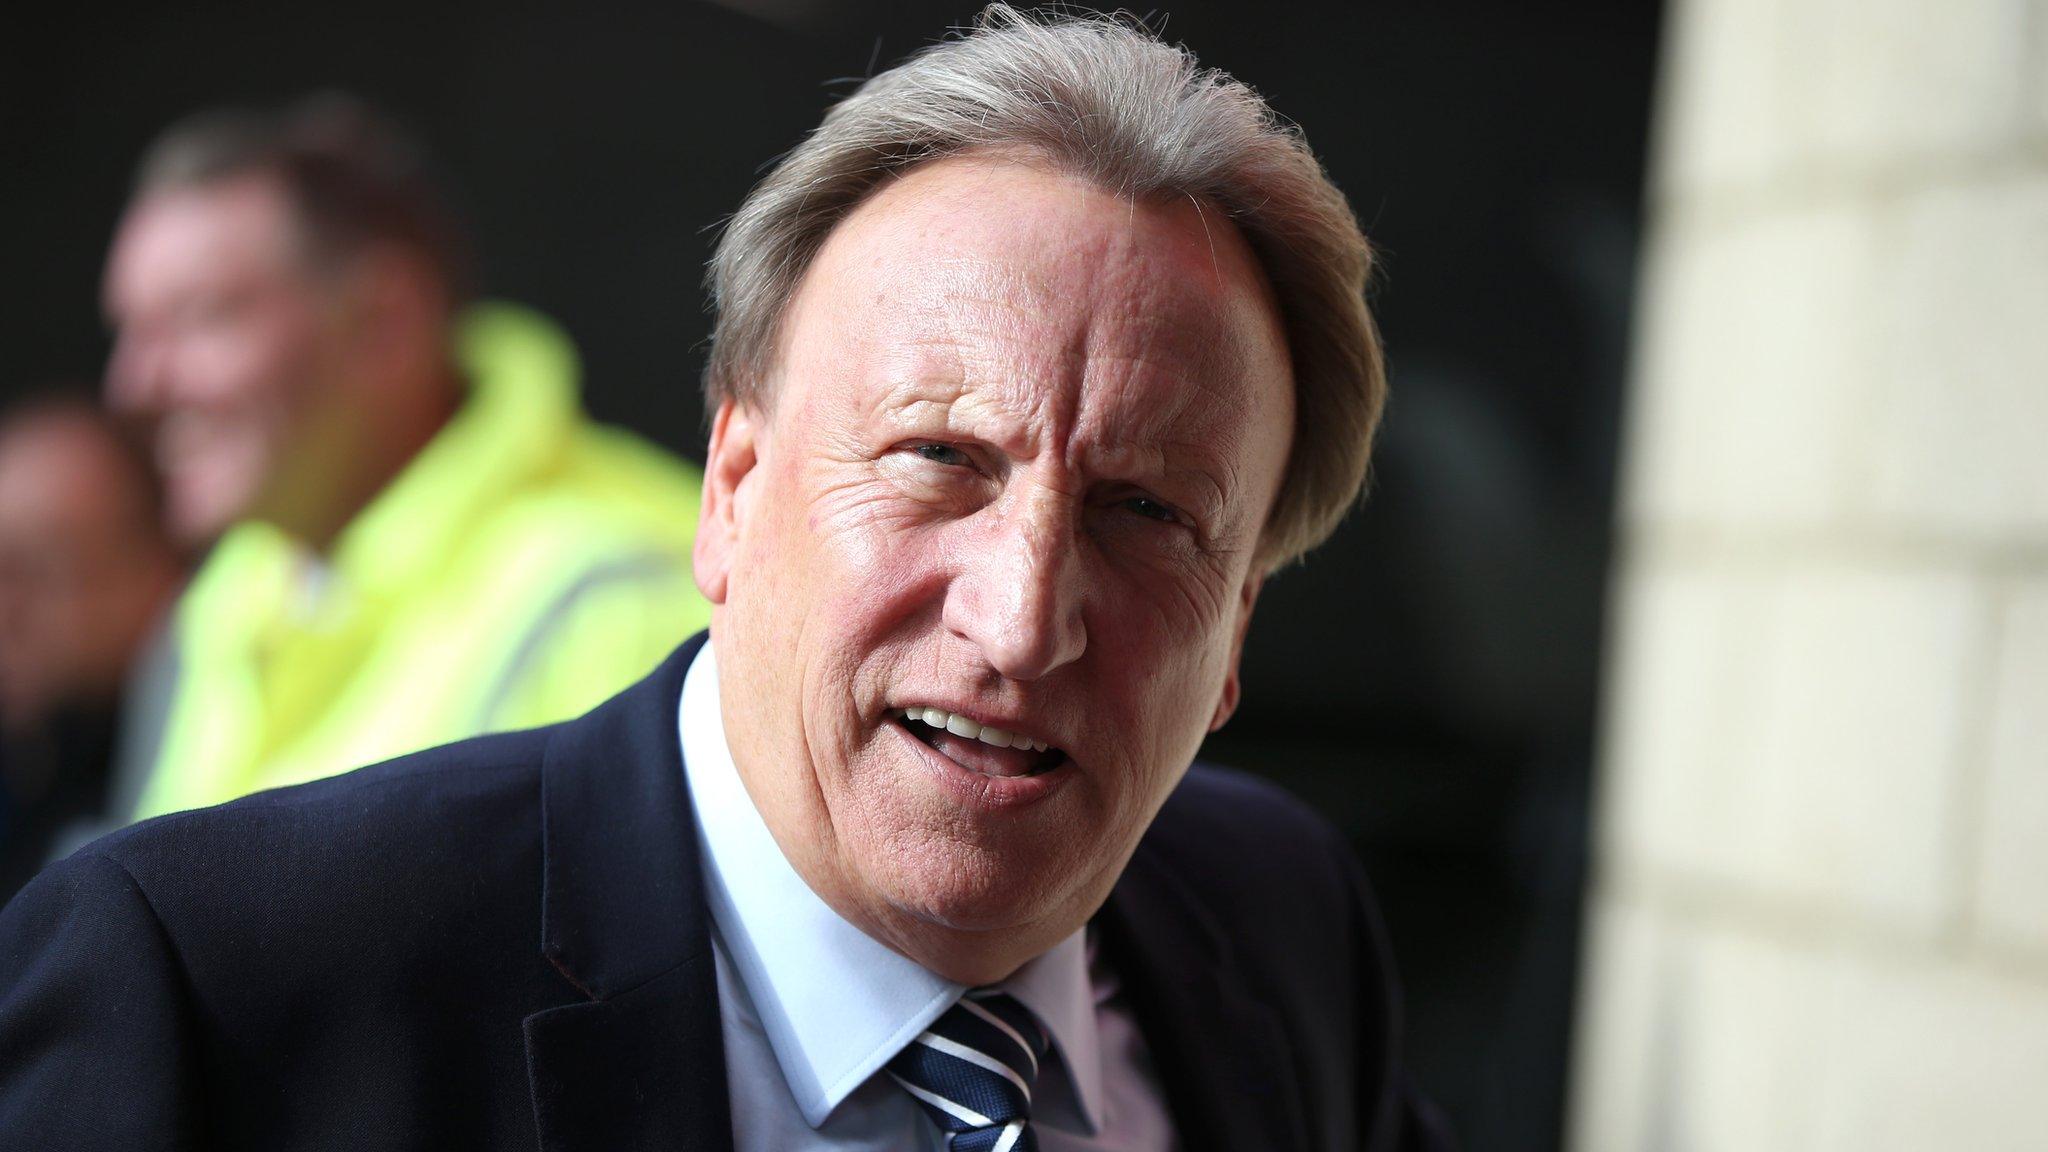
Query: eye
point(1151, 509)
point(943, 454)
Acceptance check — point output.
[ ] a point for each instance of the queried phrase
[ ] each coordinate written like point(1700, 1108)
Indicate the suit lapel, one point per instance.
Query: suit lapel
point(640, 1062)
point(1223, 1060)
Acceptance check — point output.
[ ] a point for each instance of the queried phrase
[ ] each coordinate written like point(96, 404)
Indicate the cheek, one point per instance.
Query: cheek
point(231, 378)
point(1164, 627)
point(1162, 655)
point(883, 558)
point(827, 574)
point(276, 363)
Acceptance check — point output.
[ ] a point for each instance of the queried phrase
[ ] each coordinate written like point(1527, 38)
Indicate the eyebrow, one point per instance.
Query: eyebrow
point(1185, 463)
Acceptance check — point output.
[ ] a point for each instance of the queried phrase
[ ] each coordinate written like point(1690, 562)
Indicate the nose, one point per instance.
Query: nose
point(1017, 594)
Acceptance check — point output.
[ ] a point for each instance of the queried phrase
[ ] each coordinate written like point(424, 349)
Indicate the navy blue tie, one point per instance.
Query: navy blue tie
point(973, 1069)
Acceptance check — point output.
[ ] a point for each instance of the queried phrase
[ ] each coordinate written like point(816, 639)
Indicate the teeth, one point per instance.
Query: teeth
point(962, 726)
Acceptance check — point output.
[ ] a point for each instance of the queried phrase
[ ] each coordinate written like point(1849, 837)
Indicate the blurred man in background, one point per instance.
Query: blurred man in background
point(86, 575)
point(414, 534)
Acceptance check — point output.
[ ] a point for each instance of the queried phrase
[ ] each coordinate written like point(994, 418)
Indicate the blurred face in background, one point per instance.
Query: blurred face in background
point(84, 570)
point(983, 572)
point(231, 345)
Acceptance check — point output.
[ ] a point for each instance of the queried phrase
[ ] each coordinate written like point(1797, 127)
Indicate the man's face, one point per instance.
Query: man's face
point(225, 342)
point(1024, 438)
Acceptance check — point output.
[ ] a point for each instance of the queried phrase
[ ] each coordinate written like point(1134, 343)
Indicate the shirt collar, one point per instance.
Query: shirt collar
point(793, 952)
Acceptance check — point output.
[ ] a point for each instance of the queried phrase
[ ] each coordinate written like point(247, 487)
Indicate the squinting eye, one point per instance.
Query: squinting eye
point(943, 454)
point(1150, 509)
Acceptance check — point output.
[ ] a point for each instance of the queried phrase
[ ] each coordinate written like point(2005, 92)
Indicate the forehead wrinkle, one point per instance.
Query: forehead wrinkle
point(1021, 354)
point(1200, 470)
point(1092, 393)
point(1072, 342)
point(984, 372)
point(1159, 357)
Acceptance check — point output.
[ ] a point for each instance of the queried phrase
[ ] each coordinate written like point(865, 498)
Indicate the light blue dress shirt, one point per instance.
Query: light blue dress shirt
point(812, 1007)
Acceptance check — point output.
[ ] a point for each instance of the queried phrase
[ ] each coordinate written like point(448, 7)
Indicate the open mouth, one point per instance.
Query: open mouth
point(976, 747)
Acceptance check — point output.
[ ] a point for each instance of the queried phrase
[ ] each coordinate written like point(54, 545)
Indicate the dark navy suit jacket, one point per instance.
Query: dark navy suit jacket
point(503, 944)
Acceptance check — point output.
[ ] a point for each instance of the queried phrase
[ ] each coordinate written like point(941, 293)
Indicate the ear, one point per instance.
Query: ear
point(392, 297)
point(392, 311)
point(731, 458)
point(1226, 701)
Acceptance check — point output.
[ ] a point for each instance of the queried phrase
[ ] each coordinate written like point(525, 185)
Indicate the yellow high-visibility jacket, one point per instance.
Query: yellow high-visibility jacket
point(526, 565)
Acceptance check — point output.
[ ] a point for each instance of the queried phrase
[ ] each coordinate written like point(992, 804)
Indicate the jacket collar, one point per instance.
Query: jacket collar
point(640, 1061)
point(1223, 1060)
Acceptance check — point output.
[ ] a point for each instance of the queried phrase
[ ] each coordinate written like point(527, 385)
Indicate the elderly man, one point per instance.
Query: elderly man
point(1030, 365)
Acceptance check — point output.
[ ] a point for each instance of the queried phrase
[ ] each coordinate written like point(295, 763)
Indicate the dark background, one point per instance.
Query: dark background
point(1428, 679)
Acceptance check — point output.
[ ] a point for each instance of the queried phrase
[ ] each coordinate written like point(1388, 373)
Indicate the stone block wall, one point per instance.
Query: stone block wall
point(1820, 916)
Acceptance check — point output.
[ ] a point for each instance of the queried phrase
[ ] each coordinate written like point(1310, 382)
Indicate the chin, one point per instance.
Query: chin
point(963, 889)
point(200, 510)
point(195, 527)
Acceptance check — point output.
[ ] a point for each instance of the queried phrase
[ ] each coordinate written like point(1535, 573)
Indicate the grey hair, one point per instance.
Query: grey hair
point(1102, 98)
point(353, 177)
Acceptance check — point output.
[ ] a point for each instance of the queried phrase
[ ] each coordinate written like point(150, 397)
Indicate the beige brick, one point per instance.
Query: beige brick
point(2012, 885)
point(2037, 69)
point(1863, 706)
point(1676, 703)
point(1757, 1033)
point(1960, 402)
point(1763, 92)
point(1770, 1044)
point(1724, 90)
point(1623, 1079)
point(1753, 351)
point(1884, 84)
point(1792, 730)
point(1926, 1057)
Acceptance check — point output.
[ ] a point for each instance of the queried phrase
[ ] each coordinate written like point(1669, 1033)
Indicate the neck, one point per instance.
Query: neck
point(975, 959)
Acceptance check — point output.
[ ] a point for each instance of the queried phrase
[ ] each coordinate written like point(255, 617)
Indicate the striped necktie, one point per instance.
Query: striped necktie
point(973, 1069)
